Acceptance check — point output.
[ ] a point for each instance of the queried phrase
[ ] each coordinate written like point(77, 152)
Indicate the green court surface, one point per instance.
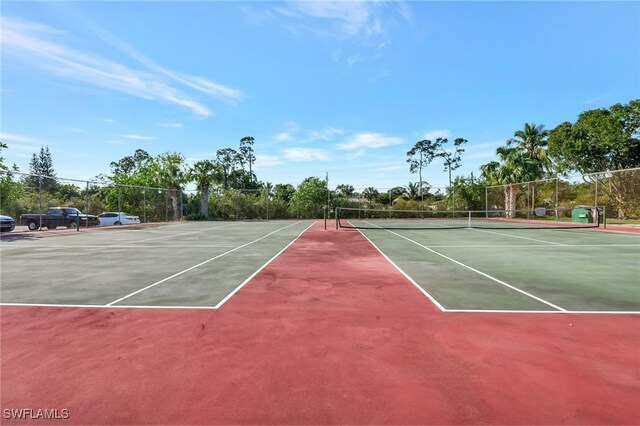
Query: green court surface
point(517, 269)
point(172, 265)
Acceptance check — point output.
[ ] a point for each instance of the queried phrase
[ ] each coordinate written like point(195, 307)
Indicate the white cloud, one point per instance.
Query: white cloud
point(306, 154)
point(265, 160)
point(34, 45)
point(171, 125)
point(350, 17)
point(435, 134)
point(325, 134)
point(357, 29)
point(73, 130)
point(369, 140)
point(137, 137)
point(9, 137)
point(284, 136)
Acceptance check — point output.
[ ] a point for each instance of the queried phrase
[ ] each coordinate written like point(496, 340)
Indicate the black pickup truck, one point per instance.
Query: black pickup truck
point(68, 217)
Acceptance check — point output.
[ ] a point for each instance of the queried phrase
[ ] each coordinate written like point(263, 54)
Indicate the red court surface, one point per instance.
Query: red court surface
point(328, 333)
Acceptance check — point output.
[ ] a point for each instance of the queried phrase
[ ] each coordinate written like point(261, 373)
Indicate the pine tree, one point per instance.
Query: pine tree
point(42, 172)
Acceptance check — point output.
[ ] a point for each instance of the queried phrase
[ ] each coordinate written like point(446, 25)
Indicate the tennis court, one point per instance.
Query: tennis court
point(465, 261)
point(286, 322)
point(171, 265)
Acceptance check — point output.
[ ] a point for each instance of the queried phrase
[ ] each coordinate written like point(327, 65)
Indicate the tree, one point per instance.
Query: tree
point(43, 176)
point(227, 158)
point(425, 151)
point(345, 190)
point(246, 151)
point(9, 190)
point(170, 174)
point(600, 140)
point(131, 163)
point(452, 160)
point(420, 156)
point(412, 191)
point(310, 197)
point(284, 192)
point(370, 194)
point(204, 173)
point(514, 167)
point(532, 141)
point(469, 192)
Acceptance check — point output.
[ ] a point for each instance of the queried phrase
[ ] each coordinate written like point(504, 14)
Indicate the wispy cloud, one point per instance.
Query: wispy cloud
point(435, 134)
point(293, 133)
point(171, 125)
point(350, 25)
point(326, 134)
point(42, 47)
point(21, 146)
point(10, 137)
point(265, 160)
point(137, 137)
point(306, 154)
point(369, 141)
point(284, 136)
point(73, 130)
point(595, 99)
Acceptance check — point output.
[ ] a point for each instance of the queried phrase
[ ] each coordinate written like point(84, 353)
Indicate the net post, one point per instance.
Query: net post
point(604, 217)
point(469, 219)
point(337, 219)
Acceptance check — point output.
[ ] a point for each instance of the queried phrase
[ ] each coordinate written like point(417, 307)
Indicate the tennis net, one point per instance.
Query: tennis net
point(538, 218)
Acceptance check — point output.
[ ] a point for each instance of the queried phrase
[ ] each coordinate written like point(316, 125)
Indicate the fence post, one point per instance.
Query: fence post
point(486, 201)
point(144, 204)
point(40, 198)
point(557, 191)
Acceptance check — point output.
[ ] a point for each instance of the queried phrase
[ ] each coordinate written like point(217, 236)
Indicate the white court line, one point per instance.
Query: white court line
point(56, 305)
point(479, 272)
point(518, 236)
point(102, 246)
point(169, 236)
point(433, 299)
point(262, 267)
point(513, 311)
point(480, 311)
point(545, 246)
point(195, 266)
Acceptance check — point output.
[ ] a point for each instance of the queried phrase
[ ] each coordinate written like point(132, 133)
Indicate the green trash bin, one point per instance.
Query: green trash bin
point(581, 215)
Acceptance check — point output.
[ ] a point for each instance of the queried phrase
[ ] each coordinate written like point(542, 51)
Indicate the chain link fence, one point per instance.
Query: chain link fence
point(618, 191)
point(27, 193)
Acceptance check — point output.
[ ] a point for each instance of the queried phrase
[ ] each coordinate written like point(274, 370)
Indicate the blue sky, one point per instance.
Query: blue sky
point(340, 87)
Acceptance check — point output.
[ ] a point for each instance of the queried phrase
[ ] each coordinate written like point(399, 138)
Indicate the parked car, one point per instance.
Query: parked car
point(6, 224)
point(117, 218)
point(68, 217)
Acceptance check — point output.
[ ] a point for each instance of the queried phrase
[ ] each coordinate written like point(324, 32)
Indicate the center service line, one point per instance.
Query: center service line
point(199, 264)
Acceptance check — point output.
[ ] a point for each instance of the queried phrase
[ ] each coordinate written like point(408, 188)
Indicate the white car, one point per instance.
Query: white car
point(117, 218)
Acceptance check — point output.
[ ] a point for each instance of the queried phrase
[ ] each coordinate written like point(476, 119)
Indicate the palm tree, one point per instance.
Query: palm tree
point(370, 193)
point(170, 173)
point(514, 167)
point(412, 191)
point(532, 141)
point(204, 173)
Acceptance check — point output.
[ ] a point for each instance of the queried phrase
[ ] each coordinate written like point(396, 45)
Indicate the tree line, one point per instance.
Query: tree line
point(599, 140)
